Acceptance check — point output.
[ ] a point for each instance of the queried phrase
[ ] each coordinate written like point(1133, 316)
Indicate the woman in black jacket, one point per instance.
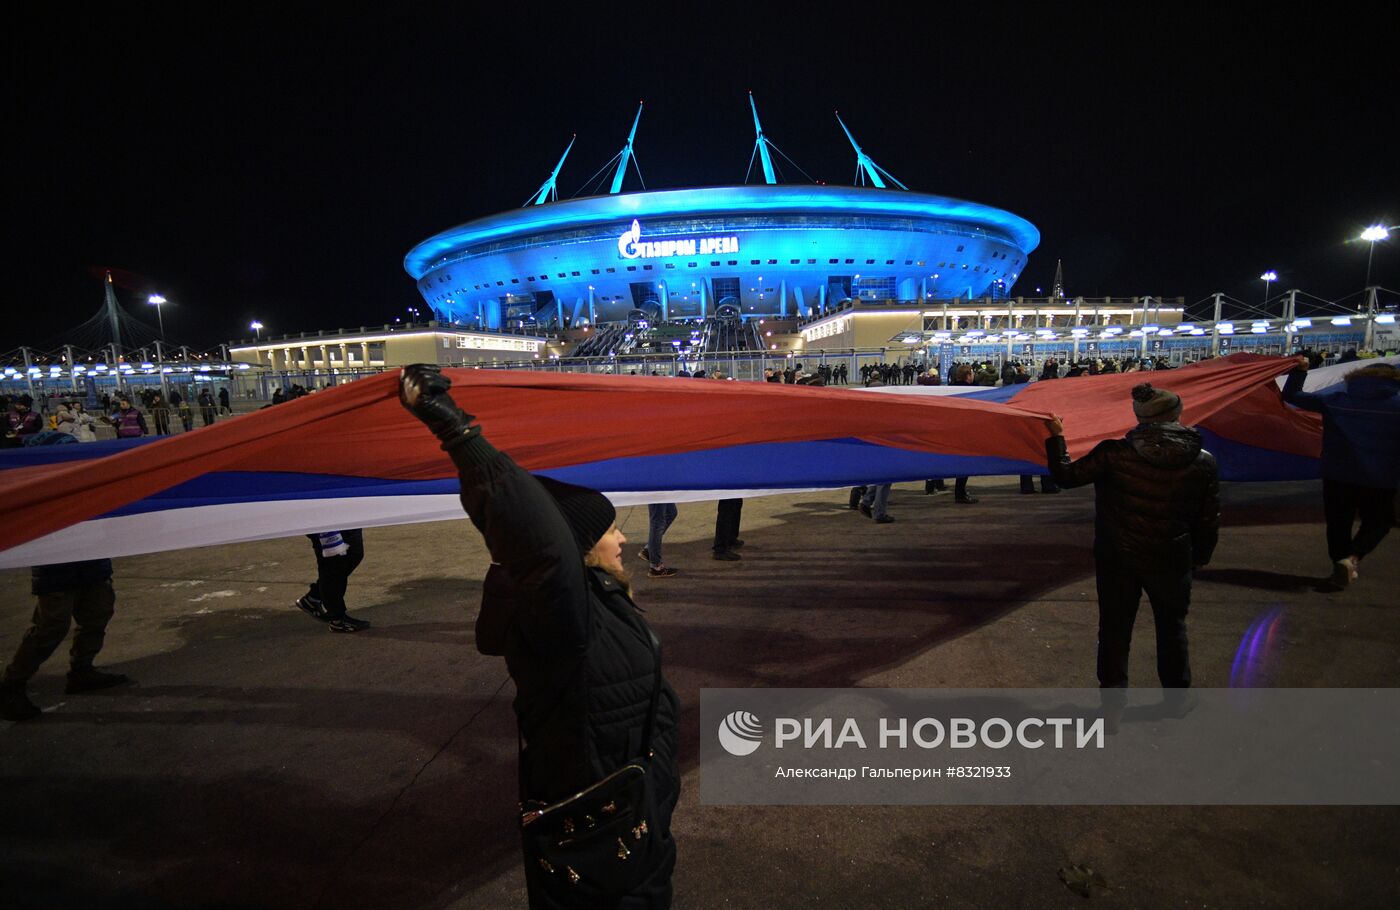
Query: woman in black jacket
point(556, 603)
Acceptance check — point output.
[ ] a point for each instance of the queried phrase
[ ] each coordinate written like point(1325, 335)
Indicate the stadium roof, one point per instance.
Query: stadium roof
point(718, 200)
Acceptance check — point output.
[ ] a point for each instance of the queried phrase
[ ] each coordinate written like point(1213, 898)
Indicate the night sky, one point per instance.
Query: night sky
point(280, 168)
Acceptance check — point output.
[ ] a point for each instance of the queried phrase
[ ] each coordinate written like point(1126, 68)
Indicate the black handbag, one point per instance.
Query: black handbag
point(599, 842)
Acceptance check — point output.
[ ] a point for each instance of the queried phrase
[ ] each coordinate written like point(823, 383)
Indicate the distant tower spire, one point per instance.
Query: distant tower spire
point(1057, 289)
point(548, 191)
point(625, 156)
point(761, 145)
point(110, 299)
point(865, 167)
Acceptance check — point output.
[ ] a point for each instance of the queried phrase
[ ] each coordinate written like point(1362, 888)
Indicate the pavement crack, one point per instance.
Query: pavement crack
point(393, 804)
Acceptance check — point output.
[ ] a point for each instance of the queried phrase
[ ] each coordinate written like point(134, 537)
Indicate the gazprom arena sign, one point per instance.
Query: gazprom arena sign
point(631, 245)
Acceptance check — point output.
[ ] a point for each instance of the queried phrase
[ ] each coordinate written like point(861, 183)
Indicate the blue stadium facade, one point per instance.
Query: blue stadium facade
point(762, 250)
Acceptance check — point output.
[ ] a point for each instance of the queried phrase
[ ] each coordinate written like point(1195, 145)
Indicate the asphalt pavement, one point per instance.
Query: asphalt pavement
point(260, 761)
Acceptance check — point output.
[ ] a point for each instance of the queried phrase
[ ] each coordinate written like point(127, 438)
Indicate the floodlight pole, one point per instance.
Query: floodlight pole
point(1078, 321)
point(1215, 327)
point(28, 377)
point(160, 368)
point(72, 376)
point(1290, 317)
point(1369, 341)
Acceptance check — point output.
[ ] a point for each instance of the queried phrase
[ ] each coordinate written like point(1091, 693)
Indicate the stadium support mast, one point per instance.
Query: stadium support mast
point(110, 299)
point(548, 191)
point(761, 145)
point(865, 167)
point(625, 155)
point(1057, 289)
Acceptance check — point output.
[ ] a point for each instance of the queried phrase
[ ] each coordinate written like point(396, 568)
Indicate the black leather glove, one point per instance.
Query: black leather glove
point(423, 391)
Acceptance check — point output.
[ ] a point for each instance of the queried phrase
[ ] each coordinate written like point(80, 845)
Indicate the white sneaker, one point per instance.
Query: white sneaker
point(1353, 565)
point(1344, 572)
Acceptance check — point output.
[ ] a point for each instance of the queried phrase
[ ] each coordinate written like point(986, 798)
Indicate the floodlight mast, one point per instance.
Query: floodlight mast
point(548, 191)
point(865, 166)
point(625, 155)
point(761, 144)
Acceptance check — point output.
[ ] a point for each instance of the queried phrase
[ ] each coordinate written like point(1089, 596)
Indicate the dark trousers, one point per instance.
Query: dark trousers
point(960, 488)
point(1120, 590)
point(727, 523)
point(333, 572)
point(1047, 484)
point(90, 607)
point(1341, 503)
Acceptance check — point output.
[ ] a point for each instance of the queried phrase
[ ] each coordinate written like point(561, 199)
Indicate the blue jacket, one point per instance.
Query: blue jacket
point(1360, 428)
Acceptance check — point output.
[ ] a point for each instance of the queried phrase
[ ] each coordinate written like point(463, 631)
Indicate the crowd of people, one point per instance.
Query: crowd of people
point(598, 779)
point(69, 420)
point(598, 722)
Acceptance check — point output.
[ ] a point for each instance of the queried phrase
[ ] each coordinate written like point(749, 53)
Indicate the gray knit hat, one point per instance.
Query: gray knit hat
point(588, 513)
point(1155, 405)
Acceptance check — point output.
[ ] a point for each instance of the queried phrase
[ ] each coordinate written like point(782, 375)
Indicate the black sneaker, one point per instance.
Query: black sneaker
point(865, 510)
point(736, 545)
point(643, 554)
point(313, 608)
point(662, 571)
point(347, 623)
point(884, 519)
point(15, 704)
point(967, 500)
point(90, 679)
point(727, 556)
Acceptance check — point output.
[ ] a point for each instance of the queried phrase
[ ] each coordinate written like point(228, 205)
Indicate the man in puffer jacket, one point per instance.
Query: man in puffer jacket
point(1157, 517)
point(1360, 459)
point(557, 604)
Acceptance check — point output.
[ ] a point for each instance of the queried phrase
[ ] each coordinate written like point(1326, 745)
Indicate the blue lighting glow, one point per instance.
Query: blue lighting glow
point(716, 201)
point(584, 261)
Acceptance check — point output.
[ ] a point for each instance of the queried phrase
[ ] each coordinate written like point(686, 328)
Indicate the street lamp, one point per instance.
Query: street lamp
point(1371, 235)
point(1268, 278)
point(257, 328)
point(158, 300)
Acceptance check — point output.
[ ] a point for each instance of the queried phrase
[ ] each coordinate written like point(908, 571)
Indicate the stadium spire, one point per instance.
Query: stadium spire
point(626, 155)
point(865, 167)
point(1058, 288)
point(548, 191)
point(113, 314)
point(761, 145)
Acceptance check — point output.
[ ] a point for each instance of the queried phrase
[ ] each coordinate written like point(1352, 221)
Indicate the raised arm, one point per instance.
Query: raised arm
point(523, 527)
point(1293, 389)
point(1071, 473)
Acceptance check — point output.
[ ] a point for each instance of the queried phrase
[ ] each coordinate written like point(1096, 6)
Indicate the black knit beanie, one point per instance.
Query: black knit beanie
point(1155, 405)
point(589, 513)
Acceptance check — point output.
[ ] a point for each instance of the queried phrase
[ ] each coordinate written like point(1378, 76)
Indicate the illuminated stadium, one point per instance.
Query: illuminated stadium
point(733, 252)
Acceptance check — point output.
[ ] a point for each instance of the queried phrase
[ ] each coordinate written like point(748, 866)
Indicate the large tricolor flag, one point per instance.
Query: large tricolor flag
point(352, 457)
